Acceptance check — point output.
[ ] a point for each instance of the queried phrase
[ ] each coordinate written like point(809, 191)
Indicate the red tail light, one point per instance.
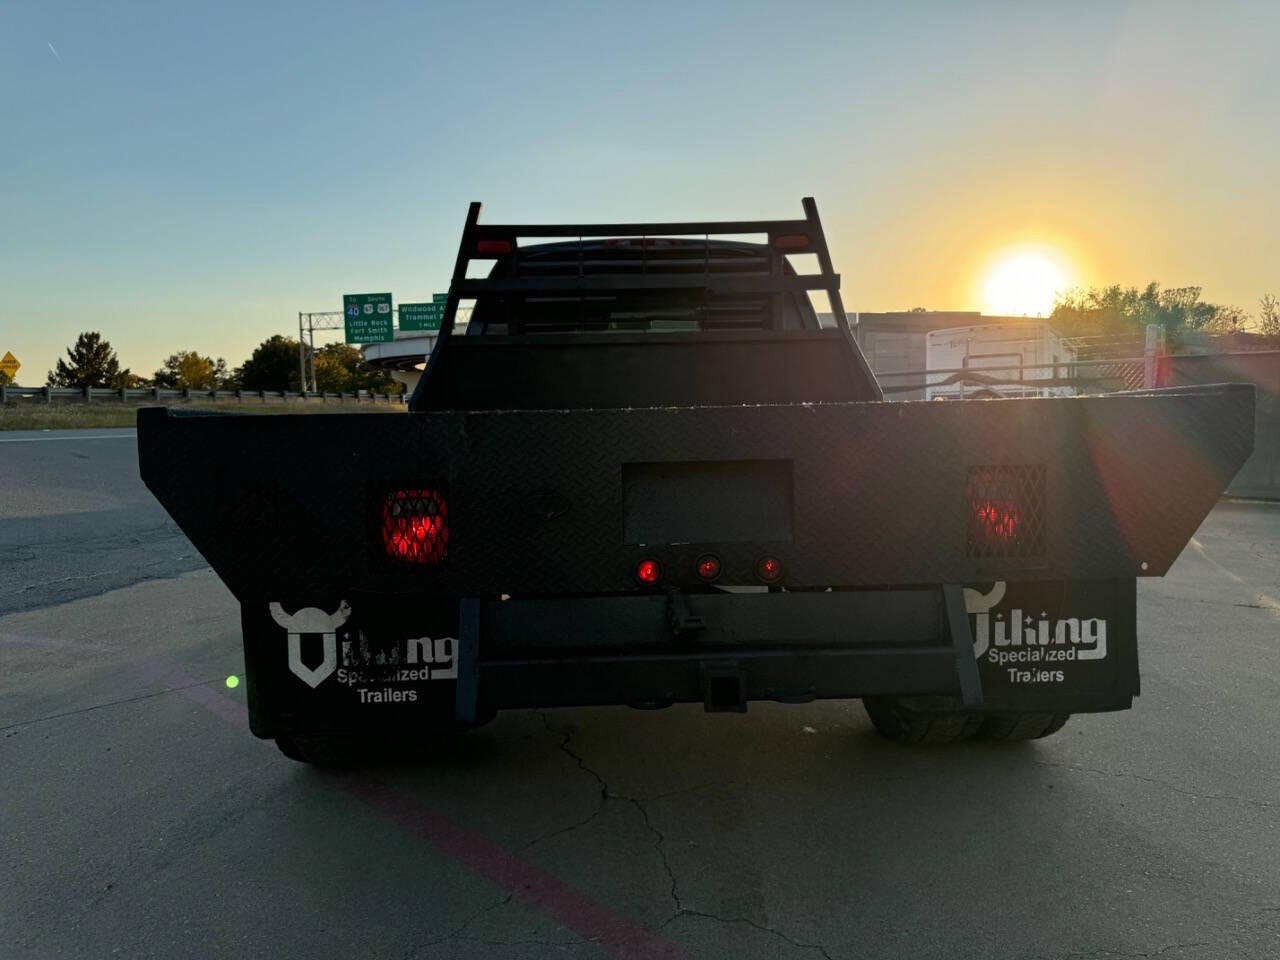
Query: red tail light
point(415, 526)
point(791, 241)
point(994, 521)
point(708, 567)
point(769, 569)
point(1007, 510)
point(493, 246)
point(648, 571)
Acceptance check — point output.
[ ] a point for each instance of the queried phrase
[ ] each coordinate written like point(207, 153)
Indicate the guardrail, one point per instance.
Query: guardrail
point(159, 394)
point(1086, 376)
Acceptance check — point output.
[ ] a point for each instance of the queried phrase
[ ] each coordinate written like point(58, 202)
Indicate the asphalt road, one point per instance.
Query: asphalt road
point(75, 520)
point(139, 818)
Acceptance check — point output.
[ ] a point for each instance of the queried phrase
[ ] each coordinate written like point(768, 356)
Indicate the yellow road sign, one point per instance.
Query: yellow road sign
point(9, 365)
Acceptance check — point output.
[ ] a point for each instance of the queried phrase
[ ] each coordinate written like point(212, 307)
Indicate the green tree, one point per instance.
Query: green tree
point(345, 368)
point(331, 374)
point(92, 364)
point(1227, 320)
point(273, 365)
point(1269, 315)
point(5, 379)
point(188, 369)
point(1116, 311)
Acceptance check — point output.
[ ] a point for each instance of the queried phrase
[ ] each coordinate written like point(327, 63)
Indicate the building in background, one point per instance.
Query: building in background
point(897, 342)
point(1031, 353)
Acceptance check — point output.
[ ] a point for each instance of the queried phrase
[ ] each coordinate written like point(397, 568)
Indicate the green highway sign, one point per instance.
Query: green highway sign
point(368, 317)
point(421, 316)
point(439, 297)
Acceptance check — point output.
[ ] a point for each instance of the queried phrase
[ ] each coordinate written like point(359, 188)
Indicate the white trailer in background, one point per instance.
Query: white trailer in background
point(1030, 352)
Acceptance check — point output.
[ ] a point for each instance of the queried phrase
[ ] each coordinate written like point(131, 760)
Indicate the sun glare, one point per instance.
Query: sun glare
point(1024, 283)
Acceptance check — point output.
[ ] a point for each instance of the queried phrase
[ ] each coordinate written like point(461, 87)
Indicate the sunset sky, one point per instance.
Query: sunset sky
point(190, 176)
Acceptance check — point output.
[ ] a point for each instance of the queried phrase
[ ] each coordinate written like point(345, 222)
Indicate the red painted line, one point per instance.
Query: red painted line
point(229, 710)
point(615, 934)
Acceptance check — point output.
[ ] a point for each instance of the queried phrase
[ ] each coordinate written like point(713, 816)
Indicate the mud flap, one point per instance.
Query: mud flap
point(388, 664)
point(1060, 646)
point(961, 642)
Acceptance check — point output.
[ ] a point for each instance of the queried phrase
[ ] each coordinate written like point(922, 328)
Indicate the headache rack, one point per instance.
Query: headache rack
point(699, 278)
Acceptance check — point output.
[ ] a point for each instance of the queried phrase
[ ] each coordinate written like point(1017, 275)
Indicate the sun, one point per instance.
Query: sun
point(1024, 283)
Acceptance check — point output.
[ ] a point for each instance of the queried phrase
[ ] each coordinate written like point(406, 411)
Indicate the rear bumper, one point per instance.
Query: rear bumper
point(394, 665)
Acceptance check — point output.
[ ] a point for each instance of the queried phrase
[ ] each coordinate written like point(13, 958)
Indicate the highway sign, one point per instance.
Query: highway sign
point(421, 316)
point(367, 318)
point(439, 297)
point(9, 365)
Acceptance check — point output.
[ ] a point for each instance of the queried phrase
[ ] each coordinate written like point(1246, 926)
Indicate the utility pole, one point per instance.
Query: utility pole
point(302, 363)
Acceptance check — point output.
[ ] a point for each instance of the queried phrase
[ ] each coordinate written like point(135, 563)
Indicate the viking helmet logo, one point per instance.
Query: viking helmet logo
point(979, 603)
point(312, 620)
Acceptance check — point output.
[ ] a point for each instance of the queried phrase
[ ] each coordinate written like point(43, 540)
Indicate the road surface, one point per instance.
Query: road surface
point(75, 520)
point(139, 818)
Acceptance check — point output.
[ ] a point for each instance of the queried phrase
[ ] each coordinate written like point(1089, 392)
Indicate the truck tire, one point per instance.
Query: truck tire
point(899, 720)
point(322, 751)
point(338, 750)
point(1021, 726)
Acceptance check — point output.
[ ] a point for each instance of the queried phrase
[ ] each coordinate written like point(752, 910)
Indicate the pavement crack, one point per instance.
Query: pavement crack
point(1103, 952)
point(101, 706)
point(457, 932)
point(772, 931)
point(606, 794)
point(1251, 801)
point(659, 845)
point(54, 583)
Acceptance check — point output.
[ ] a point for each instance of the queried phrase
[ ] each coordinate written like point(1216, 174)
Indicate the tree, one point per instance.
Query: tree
point(92, 364)
point(1269, 315)
point(5, 379)
point(345, 367)
point(1116, 311)
point(187, 369)
point(1227, 320)
point(273, 365)
point(331, 374)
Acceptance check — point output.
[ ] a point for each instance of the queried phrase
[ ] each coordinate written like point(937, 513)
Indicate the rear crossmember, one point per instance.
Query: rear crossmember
point(701, 661)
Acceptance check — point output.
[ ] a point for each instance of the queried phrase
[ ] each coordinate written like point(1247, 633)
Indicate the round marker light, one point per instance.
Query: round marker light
point(708, 567)
point(769, 569)
point(648, 571)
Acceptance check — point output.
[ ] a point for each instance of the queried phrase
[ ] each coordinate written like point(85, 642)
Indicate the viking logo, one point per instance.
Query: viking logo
point(981, 604)
point(312, 620)
point(1086, 639)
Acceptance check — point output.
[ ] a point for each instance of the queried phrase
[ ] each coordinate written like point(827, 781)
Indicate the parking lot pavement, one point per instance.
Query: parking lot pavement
point(139, 816)
point(75, 519)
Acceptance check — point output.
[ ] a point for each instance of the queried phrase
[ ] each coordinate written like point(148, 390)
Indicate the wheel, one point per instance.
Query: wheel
point(1021, 726)
point(338, 750)
point(323, 751)
point(903, 721)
